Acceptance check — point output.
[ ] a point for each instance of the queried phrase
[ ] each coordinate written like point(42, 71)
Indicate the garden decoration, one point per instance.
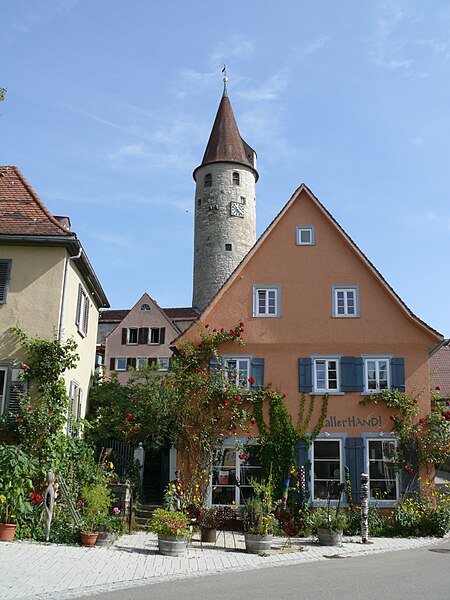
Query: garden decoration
point(365, 508)
point(49, 503)
point(292, 518)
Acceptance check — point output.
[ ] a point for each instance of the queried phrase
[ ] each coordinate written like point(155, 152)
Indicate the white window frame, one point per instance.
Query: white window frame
point(230, 444)
point(327, 438)
point(75, 407)
point(270, 292)
point(129, 330)
point(377, 359)
point(346, 290)
point(163, 363)
point(327, 359)
point(117, 363)
point(3, 390)
point(368, 438)
point(151, 329)
point(300, 230)
point(243, 374)
point(82, 311)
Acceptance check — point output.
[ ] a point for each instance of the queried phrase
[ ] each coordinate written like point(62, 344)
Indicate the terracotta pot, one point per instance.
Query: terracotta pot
point(88, 539)
point(7, 532)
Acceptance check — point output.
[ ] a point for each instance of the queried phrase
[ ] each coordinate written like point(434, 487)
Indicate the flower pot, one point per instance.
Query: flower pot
point(7, 532)
point(106, 539)
point(172, 545)
point(255, 543)
point(327, 537)
point(208, 534)
point(88, 539)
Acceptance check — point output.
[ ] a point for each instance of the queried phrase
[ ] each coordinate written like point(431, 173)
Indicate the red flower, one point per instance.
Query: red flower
point(176, 384)
point(284, 395)
point(222, 330)
point(241, 324)
point(433, 409)
point(391, 417)
point(128, 416)
point(408, 470)
point(437, 388)
point(197, 370)
point(24, 367)
point(214, 330)
point(19, 420)
point(242, 456)
point(251, 380)
point(415, 401)
point(30, 408)
point(253, 421)
point(49, 411)
point(232, 331)
point(421, 421)
point(207, 325)
point(227, 402)
point(237, 397)
point(122, 427)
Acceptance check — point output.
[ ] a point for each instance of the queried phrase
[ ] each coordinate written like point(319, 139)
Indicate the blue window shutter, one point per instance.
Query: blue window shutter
point(398, 374)
point(257, 372)
point(359, 374)
point(302, 459)
point(305, 374)
point(354, 458)
point(348, 374)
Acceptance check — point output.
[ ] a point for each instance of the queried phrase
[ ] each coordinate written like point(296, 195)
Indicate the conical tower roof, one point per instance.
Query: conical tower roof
point(225, 143)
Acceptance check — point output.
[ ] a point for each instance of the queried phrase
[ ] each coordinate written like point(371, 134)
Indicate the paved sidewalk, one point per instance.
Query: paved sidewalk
point(45, 571)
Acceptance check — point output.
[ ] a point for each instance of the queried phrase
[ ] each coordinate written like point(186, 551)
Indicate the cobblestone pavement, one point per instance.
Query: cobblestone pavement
point(47, 571)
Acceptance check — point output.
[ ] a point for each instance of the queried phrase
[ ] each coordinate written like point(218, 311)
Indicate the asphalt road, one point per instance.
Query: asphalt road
point(422, 574)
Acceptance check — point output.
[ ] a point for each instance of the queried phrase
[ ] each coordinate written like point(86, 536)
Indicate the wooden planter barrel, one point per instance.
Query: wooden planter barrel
point(255, 543)
point(172, 545)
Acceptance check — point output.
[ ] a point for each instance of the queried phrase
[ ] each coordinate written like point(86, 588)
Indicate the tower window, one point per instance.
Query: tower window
point(199, 202)
point(236, 178)
point(243, 200)
point(208, 180)
point(228, 247)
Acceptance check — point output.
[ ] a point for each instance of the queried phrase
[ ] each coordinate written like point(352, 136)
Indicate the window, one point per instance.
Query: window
point(157, 335)
point(305, 235)
point(228, 247)
point(132, 335)
point(376, 374)
point(199, 202)
point(5, 270)
point(266, 301)
point(121, 364)
point(163, 363)
point(208, 180)
point(236, 178)
point(145, 306)
point(383, 484)
point(141, 363)
point(231, 474)
point(345, 301)
point(326, 375)
point(237, 370)
point(3, 378)
point(327, 467)
point(82, 314)
point(243, 200)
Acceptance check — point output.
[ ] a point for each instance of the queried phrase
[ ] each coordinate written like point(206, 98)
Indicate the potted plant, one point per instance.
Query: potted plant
point(95, 502)
point(328, 520)
point(110, 527)
point(16, 470)
point(258, 525)
point(172, 529)
point(208, 526)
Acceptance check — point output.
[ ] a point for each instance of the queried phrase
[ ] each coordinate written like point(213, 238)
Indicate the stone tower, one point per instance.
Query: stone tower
point(225, 205)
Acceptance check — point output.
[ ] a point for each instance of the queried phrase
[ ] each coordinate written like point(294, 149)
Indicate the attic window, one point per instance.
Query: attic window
point(145, 307)
point(208, 180)
point(236, 178)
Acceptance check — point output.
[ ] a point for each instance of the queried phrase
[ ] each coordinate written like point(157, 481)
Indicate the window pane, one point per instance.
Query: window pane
point(320, 374)
point(305, 236)
point(326, 449)
point(121, 364)
point(261, 302)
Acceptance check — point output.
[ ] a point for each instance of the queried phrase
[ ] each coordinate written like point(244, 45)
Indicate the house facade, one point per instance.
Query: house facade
point(47, 287)
point(320, 319)
point(142, 337)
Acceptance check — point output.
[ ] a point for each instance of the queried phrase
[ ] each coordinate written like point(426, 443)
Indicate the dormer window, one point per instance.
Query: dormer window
point(208, 180)
point(145, 307)
point(236, 178)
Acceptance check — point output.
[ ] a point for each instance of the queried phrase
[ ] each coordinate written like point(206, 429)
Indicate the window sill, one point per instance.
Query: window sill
point(346, 316)
point(329, 392)
point(265, 316)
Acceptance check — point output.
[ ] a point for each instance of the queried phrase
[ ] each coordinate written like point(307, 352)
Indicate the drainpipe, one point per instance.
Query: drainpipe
point(63, 298)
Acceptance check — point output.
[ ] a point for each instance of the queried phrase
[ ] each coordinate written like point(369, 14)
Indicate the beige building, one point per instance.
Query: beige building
point(47, 287)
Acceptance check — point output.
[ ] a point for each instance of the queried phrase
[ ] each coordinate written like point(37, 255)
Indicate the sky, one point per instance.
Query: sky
point(110, 105)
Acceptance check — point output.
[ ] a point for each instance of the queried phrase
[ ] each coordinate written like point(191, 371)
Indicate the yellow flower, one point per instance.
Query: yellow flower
point(2, 498)
point(111, 465)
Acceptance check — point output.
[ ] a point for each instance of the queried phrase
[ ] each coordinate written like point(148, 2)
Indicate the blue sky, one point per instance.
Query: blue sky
point(110, 105)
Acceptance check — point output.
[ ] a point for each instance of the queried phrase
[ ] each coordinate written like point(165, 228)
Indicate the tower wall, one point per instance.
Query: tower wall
point(215, 226)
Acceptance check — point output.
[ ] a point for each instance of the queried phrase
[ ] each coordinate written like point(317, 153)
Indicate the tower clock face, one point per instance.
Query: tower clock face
point(236, 209)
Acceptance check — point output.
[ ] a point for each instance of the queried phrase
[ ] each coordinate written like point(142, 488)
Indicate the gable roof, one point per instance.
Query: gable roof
point(175, 314)
point(303, 188)
point(21, 210)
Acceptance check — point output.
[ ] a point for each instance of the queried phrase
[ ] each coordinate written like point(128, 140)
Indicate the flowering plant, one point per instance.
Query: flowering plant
point(16, 470)
point(167, 522)
point(257, 519)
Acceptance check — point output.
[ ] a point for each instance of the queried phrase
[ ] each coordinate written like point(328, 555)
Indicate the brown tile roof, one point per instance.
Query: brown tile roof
point(225, 142)
point(440, 369)
point(116, 316)
point(22, 211)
